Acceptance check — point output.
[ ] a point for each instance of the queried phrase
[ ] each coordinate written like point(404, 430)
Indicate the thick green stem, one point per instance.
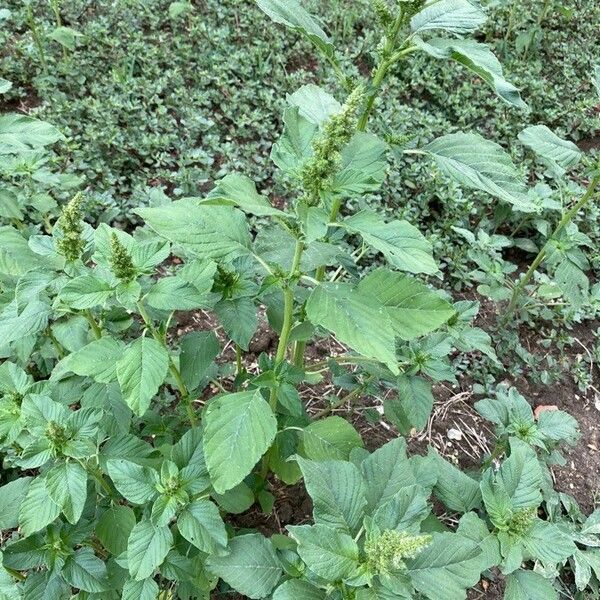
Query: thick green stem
point(341, 401)
point(183, 391)
point(96, 329)
point(566, 219)
point(37, 38)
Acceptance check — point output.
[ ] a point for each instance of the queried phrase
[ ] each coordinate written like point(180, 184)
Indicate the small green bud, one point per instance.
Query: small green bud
point(522, 520)
point(121, 263)
point(57, 436)
point(337, 132)
point(71, 245)
point(386, 552)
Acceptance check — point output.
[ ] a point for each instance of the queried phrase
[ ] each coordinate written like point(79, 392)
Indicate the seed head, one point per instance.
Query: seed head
point(121, 263)
point(71, 244)
point(386, 552)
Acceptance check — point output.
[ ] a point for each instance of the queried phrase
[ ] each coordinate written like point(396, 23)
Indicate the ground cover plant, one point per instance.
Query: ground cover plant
point(129, 449)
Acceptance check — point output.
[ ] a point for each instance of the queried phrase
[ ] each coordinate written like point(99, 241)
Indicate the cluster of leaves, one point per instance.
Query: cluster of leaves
point(120, 475)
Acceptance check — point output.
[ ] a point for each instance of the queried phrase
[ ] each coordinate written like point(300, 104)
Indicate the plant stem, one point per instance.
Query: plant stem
point(238, 361)
point(93, 324)
point(566, 219)
point(57, 346)
point(183, 391)
point(340, 401)
point(37, 39)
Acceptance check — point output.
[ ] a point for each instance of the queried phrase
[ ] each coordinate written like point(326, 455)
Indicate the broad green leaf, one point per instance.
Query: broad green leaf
point(198, 350)
point(548, 543)
point(528, 585)
point(386, 471)
point(292, 149)
point(414, 309)
point(114, 526)
point(251, 567)
point(5, 85)
point(480, 164)
point(294, 589)
point(456, 16)
point(520, 475)
point(337, 491)
point(404, 511)
point(238, 429)
point(291, 14)
point(355, 320)
point(98, 360)
point(330, 438)
point(201, 525)
point(141, 371)
point(209, 232)
point(85, 571)
point(11, 498)
point(146, 589)
point(363, 166)
point(327, 553)
point(480, 59)
point(15, 325)
point(561, 155)
point(16, 257)
point(238, 318)
point(85, 291)
point(314, 103)
point(401, 243)
point(19, 133)
point(175, 293)
point(454, 488)
point(446, 568)
point(65, 36)
point(67, 486)
point(238, 190)
point(37, 509)
point(474, 528)
point(412, 407)
point(559, 426)
point(147, 548)
point(136, 483)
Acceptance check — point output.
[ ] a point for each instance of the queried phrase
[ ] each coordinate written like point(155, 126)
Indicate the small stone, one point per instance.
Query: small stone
point(454, 434)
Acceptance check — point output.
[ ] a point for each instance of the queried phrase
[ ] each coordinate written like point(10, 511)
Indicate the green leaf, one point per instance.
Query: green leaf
point(479, 164)
point(67, 486)
point(238, 430)
point(114, 526)
point(386, 471)
point(337, 491)
point(37, 509)
point(559, 426)
point(355, 320)
point(15, 325)
point(65, 36)
point(210, 232)
point(561, 155)
point(548, 543)
point(85, 291)
point(146, 589)
point(401, 243)
point(455, 489)
point(198, 350)
point(474, 528)
point(414, 309)
point(238, 190)
point(201, 525)
point(327, 553)
point(147, 548)
point(19, 133)
point(414, 403)
point(251, 567)
point(446, 568)
point(136, 483)
point(405, 511)
point(11, 498)
point(480, 59)
point(314, 103)
point(85, 571)
point(528, 585)
point(456, 16)
point(141, 372)
point(521, 476)
point(238, 318)
point(291, 14)
point(97, 360)
point(330, 438)
point(294, 589)
point(292, 149)
point(5, 85)
point(175, 293)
